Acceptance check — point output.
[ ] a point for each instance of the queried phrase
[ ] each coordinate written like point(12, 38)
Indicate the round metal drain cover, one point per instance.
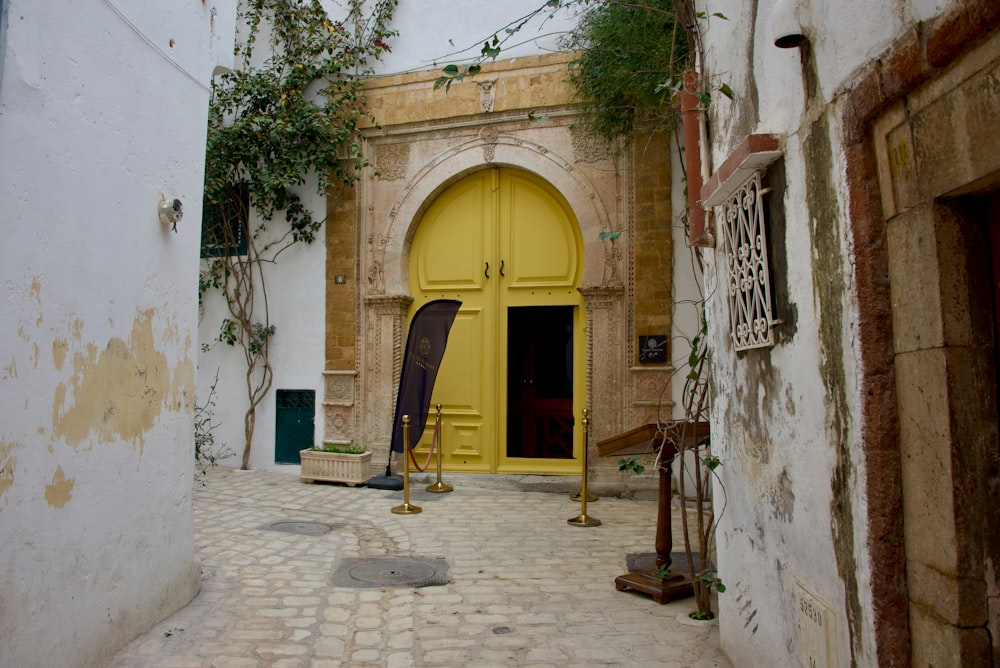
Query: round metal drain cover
point(368, 572)
point(301, 528)
point(387, 572)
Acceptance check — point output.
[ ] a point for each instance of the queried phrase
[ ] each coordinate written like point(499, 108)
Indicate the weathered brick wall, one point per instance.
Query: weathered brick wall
point(653, 248)
point(341, 259)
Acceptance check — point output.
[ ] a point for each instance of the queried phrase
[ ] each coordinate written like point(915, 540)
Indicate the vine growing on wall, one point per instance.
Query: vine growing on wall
point(289, 111)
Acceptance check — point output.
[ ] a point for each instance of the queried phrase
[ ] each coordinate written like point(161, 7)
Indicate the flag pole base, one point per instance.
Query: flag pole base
point(407, 509)
point(440, 487)
point(583, 521)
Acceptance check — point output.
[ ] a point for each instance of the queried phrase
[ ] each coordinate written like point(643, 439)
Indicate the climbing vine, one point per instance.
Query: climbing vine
point(289, 111)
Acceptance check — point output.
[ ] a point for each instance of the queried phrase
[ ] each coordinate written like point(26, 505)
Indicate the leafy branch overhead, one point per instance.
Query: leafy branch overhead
point(626, 51)
point(632, 57)
point(492, 47)
point(292, 106)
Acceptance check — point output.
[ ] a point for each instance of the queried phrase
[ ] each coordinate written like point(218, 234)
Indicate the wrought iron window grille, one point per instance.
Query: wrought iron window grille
point(748, 279)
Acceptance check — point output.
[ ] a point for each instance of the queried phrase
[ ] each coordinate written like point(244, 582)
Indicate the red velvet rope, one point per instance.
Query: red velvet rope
point(430, 454)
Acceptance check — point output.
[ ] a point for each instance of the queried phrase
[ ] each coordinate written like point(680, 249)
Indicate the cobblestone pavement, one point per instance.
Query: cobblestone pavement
point(526, 588)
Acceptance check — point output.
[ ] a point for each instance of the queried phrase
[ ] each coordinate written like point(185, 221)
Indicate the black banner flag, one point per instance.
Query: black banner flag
point(424, 349)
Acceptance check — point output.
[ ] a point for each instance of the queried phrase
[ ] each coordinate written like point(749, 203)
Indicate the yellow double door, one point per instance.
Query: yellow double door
point(511, 384)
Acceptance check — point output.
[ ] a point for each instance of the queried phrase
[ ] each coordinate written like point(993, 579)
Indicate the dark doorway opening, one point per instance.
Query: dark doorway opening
point(992, 523)
point(540, 382)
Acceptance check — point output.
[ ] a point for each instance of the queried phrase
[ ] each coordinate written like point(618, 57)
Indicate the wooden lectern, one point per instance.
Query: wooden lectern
point(645, 440)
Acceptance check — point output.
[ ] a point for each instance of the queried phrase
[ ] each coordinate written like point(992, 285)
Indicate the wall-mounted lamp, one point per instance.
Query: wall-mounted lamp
point(170, 211)
point(340, 279)
point(786, 24)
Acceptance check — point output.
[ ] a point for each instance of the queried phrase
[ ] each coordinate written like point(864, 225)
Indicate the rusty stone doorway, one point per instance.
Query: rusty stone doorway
point(939, 170)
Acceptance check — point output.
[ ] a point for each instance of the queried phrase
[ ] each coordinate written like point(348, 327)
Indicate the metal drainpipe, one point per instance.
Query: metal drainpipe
point(691, 114)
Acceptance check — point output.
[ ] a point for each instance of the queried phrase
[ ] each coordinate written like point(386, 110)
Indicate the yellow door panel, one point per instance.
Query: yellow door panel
point(457, 224)
point(468, 405)
point(538, 242)
point(462, 451)
point(447, 261)
point(498, 239)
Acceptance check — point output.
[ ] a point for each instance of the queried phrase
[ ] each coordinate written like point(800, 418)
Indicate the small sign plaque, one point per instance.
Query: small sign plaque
point(816, 633)
point(653, 349)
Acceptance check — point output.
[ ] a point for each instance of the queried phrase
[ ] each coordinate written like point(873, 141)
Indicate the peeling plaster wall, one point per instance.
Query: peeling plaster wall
point(787, 420)
point(103, 107)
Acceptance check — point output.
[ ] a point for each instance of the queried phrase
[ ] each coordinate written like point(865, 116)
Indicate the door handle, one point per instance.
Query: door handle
point(487, 271)
point(501, 268)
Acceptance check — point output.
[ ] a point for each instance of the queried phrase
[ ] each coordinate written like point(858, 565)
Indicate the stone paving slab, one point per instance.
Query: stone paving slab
point(527, 589)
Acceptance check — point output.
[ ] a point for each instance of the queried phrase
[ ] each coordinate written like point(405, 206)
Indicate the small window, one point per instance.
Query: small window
point(748, 279)
point(224, 225)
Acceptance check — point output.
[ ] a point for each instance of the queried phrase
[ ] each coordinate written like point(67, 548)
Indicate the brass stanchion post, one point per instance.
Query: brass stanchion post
point(579, 495)
point(406, 508)
point(582, 520)
point(439, 486)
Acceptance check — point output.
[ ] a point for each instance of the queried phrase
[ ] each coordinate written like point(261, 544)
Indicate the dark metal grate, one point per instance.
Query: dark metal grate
point(402, 572)
point(303, 528)
point(296, 399)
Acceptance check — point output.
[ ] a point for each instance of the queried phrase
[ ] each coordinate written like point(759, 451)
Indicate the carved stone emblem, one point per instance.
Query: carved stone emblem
point(589, 147)
point(391, 161)
point(489, 136)
point(487, 95)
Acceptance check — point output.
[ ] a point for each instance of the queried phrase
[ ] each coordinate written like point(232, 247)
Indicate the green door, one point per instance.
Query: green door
point(294, 424)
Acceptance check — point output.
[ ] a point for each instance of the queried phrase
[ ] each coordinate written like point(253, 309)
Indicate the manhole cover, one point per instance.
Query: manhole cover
point(391, 572)
point(299, 527)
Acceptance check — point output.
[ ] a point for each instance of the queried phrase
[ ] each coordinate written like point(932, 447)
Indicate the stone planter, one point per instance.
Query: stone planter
point(335, 467)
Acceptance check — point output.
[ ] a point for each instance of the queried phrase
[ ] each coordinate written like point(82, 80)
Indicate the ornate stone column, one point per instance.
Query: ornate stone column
point(605, 362)
point(382, 360)
point(339, 400)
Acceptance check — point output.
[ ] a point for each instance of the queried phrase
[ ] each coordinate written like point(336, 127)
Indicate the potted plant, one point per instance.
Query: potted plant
point(336, 462)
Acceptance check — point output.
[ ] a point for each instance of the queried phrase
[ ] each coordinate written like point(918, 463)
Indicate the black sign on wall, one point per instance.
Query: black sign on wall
point(653, 349)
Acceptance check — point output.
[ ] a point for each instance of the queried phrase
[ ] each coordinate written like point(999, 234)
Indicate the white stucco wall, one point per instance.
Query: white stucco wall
point(103, 107)
point(776, 421)
point(296, 297)
point(687, 284)
point(430, 36)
